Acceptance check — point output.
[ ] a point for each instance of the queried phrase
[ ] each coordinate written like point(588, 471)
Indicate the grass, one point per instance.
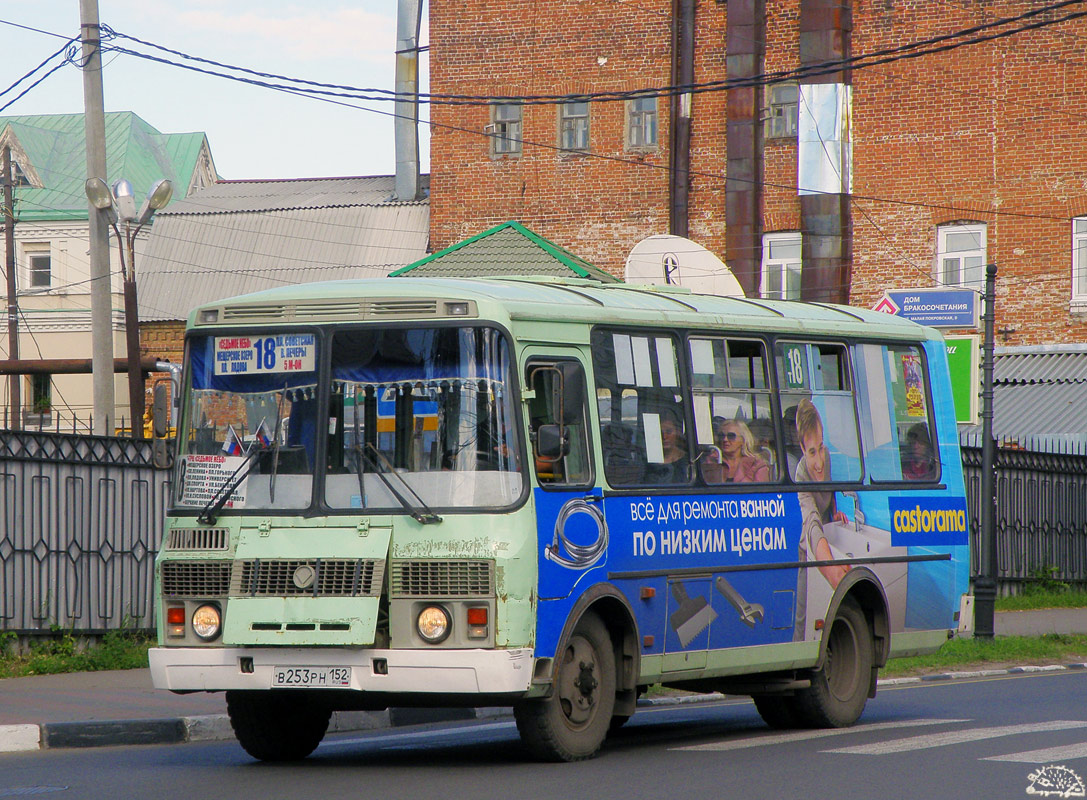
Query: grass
point(67, 653)
point(1003, 651)
point(1032, 600)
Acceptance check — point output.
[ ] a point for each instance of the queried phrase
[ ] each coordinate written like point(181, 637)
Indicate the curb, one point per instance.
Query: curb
point(216, 727)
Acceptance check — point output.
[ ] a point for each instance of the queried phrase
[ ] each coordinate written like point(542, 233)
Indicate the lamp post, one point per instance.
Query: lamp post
point(119, 206)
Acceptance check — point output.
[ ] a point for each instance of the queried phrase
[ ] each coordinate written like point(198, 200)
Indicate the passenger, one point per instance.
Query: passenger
point(738, 461)
point(918, 459)
point(675, 467)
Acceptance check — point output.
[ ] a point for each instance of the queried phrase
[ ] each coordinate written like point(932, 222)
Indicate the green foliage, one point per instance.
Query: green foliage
point(1038, 598)
point(961, 653)
point(64, 652)
point(1043, 580)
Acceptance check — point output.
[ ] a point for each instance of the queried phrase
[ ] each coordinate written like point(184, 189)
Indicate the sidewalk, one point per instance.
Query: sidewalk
point(87, 709)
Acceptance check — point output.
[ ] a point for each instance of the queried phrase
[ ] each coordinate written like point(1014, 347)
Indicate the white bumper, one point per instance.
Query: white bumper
point(465, 672)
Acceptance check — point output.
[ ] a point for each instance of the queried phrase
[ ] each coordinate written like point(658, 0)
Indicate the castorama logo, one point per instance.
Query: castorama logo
point(929, 521)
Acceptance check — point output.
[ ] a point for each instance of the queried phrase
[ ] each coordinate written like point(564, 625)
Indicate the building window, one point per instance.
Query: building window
point(41, 269)
point(781, 111)
point(781, 266)
point(40, 394)
point(960, 256)
point(505, 129)
point(574, 126)
point(1079, 258)
point(642, 123)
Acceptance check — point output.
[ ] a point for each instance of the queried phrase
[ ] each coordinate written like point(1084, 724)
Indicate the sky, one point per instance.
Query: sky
point(253, 132)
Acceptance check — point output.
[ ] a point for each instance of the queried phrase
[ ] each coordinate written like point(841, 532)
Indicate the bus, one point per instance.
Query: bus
point(551, 494)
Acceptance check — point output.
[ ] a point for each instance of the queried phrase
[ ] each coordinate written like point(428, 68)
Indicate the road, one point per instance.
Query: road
point(969, 739)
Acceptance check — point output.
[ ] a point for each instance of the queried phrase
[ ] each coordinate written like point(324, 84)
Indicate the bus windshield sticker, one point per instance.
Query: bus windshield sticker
point(702, 357)
point(796, 372)
point(643, 370)
point(624, 361)
point(203, 476)
point(666, 361)
point(246, 355)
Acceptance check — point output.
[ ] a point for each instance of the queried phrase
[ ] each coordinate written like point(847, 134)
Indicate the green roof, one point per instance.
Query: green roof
point(55, 153)
point(507, 249)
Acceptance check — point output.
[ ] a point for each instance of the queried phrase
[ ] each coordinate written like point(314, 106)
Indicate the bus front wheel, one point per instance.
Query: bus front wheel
point(571, 724)
point(276, 726)
point(839, 690)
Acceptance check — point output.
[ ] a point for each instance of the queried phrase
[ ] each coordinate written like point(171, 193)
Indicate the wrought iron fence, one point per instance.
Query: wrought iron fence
point(1041, 511)
point(81, 518)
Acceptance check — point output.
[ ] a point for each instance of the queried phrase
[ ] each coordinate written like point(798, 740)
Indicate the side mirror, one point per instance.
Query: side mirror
point(552, 442)
point(162, 453)
point(571, 390)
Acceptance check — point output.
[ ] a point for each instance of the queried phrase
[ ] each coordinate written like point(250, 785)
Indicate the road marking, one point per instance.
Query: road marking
point(377, 736)
point(1049, 755)
point(800, 736)
point(956, 737)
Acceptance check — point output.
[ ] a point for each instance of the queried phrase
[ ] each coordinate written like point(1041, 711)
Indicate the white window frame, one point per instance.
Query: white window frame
point(32, 252)
point(1079, 259)
point(957, 265)
point(507, 124)
point(642, 123)
point(574, 126)
point(782, 273)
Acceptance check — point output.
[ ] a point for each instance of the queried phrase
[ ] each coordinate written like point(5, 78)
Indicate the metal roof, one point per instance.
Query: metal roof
point(53, 147)
point(237, 237)
point(506, 249)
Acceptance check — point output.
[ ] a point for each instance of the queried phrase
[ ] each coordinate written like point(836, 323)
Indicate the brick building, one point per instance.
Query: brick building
point(843, 182)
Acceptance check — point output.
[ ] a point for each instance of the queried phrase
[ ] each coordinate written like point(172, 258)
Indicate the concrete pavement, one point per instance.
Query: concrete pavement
point(87, 709)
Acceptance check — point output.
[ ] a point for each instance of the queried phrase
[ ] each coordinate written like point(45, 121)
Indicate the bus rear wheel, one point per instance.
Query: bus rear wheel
point(839, 690)
point(572, 723)
point(276, 726)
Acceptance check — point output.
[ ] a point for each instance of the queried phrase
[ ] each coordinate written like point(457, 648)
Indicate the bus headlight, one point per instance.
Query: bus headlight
point(206, 622)
point(433, 624)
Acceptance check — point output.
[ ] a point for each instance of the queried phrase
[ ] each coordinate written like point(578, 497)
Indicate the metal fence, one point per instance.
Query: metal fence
point(82, 518)
point(1041, 512)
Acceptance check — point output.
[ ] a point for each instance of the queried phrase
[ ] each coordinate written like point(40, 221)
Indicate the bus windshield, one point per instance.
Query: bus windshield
point(405, 419)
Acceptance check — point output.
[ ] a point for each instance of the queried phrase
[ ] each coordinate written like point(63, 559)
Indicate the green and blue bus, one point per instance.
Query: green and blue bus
point(550, 495)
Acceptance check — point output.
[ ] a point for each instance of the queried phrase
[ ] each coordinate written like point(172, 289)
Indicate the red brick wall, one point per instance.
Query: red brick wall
point(959, 136)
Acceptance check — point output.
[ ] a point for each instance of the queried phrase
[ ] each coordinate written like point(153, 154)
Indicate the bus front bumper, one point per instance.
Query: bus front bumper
point(464, 672)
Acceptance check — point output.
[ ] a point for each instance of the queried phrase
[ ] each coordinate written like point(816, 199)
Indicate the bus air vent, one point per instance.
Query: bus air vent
point(319, 577)
point(442, 579)
point(254, 312)
point(338, 310)
point(198, 539)
point(403, 308)
point(195, 578)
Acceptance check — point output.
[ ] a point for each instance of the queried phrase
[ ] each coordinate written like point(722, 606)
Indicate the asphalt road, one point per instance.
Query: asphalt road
point(985, 738)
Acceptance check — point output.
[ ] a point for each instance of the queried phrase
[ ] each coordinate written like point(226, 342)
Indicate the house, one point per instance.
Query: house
point(52, 240)
point(235, 237)
point(816, 159)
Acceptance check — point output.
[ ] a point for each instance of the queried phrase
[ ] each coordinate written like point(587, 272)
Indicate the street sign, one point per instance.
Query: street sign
point(886, 306)
point(941, 308)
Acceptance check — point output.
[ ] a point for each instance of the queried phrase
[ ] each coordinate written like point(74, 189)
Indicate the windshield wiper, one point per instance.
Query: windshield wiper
point(381, 466)
point(218, 500)
point(275, 446)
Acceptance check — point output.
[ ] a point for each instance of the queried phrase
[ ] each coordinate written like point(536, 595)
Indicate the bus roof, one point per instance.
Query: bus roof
point(544, 299)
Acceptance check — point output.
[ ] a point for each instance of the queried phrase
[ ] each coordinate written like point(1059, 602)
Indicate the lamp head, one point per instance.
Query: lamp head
point(99, 195)
point(157, 198)
point(125, 199)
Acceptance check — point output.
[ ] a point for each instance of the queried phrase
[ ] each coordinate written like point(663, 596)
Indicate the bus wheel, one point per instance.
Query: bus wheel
point(839, 690)
point(571, 724)
point(276, 726)
point(778, 711)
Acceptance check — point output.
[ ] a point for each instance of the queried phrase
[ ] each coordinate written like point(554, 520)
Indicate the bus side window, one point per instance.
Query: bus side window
point(557, 423)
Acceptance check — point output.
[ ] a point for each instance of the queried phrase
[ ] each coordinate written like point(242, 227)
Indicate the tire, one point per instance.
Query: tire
point(778, 711)
point(276, 726)
point(572, 723)
point(839, 690)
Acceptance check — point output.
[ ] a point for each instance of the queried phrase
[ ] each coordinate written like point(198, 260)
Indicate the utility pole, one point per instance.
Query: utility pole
point(14, 400)
point(985, 583)
point(94, 116)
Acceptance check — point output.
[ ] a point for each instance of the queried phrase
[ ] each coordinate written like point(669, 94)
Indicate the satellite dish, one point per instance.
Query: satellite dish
point(666, 259)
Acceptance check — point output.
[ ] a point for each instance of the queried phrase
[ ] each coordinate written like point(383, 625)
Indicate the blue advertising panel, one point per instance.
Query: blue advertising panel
point(941, 308)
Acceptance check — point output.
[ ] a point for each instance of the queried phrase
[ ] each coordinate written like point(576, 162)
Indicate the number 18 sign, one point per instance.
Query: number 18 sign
point(282, 352)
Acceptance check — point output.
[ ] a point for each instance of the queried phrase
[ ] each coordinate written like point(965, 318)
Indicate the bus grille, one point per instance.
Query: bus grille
point(313, 577)
point(195, 578)
point(198, 539)
point(442, 579)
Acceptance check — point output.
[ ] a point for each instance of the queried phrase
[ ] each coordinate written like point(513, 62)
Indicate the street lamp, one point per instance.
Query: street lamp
point(119, 206)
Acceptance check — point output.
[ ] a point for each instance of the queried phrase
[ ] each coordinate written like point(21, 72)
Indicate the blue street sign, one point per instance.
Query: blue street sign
point(941, 308)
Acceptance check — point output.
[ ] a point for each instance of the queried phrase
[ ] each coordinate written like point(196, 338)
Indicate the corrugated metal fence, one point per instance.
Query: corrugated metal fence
point(82, 520)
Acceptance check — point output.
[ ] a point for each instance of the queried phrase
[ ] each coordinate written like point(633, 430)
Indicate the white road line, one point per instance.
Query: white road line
point(956, 737)
point(1049, 755)
point(394, 737)
point(800, 736)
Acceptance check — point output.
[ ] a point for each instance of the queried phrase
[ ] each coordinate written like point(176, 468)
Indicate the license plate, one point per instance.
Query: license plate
point(312, 677)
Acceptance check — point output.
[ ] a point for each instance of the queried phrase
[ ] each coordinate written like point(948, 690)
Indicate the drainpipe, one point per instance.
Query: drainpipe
point(680, 109)
point(406, 125)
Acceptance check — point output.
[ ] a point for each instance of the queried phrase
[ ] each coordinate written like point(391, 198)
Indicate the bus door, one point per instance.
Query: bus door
point(572, 536)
